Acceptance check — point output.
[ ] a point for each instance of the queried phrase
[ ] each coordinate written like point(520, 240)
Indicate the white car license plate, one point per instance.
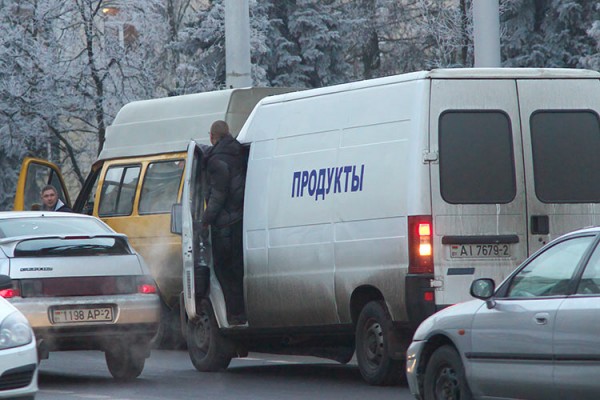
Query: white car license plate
point(479, 250)
point(75, 315)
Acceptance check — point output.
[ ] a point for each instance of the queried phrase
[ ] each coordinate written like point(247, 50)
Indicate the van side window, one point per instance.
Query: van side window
point(476, 157)
point(118, 191)
point(160, 186)
point(566, 165)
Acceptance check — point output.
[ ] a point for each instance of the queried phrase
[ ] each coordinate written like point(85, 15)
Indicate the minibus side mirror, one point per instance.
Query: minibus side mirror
point(176, 219)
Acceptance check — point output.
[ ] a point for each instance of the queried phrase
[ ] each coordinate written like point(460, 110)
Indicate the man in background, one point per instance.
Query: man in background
point(51, 200)
point(226, 176)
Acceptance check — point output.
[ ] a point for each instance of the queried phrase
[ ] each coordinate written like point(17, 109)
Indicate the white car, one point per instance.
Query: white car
point(18, 355)
point(537, 336)
point(81, 286)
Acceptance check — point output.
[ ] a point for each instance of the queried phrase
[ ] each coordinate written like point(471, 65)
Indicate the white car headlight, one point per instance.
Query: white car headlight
point(15, 331)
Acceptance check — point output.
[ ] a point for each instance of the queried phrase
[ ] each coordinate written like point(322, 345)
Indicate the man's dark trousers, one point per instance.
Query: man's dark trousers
point(229, 266)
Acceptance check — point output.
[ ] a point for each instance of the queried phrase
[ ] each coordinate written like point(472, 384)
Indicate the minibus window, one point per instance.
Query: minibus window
point(565, 147)
point(476, 157)
point(118, 191)
point(160, 186)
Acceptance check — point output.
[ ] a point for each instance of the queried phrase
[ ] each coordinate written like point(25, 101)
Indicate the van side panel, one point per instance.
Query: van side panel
point(386, 130)
point(336, 170)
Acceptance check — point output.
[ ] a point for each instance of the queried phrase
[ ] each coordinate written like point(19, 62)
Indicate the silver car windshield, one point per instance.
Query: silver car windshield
point(13, 227)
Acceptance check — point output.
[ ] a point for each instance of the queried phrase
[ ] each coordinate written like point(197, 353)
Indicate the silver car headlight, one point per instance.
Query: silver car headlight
point(15, 331)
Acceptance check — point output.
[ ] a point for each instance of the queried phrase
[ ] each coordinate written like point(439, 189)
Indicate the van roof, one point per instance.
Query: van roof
point(167, 125)
point(449, 73)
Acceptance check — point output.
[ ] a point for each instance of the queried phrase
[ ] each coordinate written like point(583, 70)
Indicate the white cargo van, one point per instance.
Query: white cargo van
point(371, 205)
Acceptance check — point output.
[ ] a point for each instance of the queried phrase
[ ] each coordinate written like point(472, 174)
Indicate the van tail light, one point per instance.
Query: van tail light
point(420, 244)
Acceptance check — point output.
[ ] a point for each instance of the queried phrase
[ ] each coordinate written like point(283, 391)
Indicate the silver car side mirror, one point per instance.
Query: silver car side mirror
point(484, 289)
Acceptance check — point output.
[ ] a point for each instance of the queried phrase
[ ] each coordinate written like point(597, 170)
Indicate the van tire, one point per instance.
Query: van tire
point(209, 350)
point(374, 331)
point(126, 362)
point(445, 376)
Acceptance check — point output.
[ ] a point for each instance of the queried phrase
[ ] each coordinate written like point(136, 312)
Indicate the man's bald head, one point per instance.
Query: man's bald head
point(217, 130)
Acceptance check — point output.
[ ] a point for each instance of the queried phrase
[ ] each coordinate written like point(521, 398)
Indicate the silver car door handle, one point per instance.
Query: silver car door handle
point(541, 318)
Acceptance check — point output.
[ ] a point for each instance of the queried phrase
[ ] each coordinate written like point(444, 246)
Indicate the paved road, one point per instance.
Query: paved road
point(170, 375)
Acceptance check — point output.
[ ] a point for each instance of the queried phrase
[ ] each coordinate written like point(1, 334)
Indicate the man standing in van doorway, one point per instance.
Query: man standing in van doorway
point(226, 177)
point(51, 201)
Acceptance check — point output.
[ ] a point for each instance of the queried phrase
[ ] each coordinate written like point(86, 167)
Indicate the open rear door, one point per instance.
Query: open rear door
point(35, 174)
point(195, 249)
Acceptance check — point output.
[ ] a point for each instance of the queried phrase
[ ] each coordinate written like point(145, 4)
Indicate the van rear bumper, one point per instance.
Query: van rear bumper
point(420, 297)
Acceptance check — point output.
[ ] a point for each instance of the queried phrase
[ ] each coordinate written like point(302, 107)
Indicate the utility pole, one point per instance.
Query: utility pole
point(486, 33)
point(237, 44)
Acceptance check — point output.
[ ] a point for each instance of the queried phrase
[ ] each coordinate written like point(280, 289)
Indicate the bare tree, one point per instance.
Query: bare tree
point(74, 64)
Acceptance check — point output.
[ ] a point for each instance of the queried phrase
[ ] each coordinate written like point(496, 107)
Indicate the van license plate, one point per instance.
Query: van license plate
point(480, 250)
point(75, 315)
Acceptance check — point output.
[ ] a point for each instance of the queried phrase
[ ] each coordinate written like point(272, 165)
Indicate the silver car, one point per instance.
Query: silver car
point(81, 286)
point(537, 336)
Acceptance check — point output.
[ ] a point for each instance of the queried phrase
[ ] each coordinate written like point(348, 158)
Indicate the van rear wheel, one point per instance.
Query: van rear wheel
point(374, 331)
point(209, 350)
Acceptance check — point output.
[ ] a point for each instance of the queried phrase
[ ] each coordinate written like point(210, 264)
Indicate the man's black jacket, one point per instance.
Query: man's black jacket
point(226, 177)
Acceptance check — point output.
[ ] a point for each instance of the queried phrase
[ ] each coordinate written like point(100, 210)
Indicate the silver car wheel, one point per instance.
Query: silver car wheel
point(446, 384)
point(445, 376)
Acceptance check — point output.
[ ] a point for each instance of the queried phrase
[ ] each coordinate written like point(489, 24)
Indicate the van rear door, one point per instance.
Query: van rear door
point(35, 174)
point(561, 142)
point(477, 190)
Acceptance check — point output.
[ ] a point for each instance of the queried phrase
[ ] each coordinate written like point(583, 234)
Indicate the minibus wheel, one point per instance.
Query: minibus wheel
point(374, 331)
point(209, 350)
point(169, 335)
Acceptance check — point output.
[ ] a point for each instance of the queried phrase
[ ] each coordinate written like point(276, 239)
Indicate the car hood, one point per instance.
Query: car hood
point(449, 320)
